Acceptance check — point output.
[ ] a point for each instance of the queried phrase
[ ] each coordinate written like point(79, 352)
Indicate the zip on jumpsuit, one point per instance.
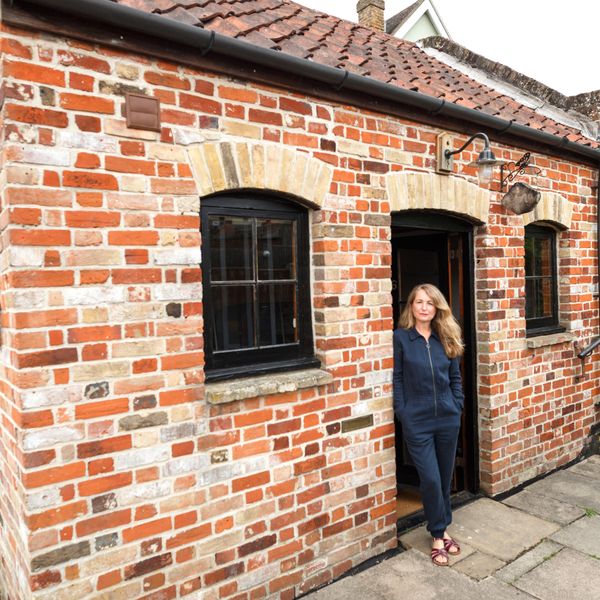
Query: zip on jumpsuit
point(428, 401)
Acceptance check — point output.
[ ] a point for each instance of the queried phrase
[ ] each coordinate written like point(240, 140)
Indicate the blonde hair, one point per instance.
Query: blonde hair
point(444, 324)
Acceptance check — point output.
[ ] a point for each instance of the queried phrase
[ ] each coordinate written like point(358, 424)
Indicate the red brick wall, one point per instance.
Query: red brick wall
point(536, 404)
point(118, 477)
point(14, 564)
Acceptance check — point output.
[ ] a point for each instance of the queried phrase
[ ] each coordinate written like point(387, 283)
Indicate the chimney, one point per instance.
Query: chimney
point(370, 14)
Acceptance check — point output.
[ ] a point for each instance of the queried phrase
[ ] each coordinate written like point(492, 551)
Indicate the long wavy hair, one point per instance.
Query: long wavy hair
point(444, 324)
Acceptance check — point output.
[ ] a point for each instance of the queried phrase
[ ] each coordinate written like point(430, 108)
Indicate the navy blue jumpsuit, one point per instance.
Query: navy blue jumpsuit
point(428, 401)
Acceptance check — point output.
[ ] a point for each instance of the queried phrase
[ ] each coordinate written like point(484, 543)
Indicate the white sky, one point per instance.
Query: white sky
point(554, 41)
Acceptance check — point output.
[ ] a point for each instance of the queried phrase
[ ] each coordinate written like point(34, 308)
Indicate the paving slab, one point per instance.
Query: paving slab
point(362, 585)
point(590, 467)
point(499, 530)
point(528, 561)
point(569, 487)
point(583, 535)
point(545, 507)
point(420, 539)
point(538, 544)
point(568, 574)
point(479, 565)
point(411, 575)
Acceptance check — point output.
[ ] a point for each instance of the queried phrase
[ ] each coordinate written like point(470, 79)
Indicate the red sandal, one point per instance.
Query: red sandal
point(437, 553)
point(449, 543)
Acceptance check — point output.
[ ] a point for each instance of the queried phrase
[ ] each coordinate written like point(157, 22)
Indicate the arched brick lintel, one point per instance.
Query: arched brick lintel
point(222, 166)
point(553, 208)
point(412, 191)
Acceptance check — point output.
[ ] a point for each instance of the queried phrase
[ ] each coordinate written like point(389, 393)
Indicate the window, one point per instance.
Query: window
point(255, 274)
point(541, 296)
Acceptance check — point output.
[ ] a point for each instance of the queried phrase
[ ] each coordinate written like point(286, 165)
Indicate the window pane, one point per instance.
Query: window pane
point(538, 256)
point(543, 257)
point(276, 241)
point(277, 314)
point(231, 249)
point(538, 301)
point(233, 317)
point(545, 297)
point(529, 254)
point(530, 298)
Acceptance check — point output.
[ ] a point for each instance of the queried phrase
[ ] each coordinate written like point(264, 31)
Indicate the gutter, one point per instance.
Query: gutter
point(119, 16)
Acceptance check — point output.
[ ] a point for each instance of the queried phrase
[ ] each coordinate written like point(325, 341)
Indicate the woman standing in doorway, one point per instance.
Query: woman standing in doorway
point(428, 401)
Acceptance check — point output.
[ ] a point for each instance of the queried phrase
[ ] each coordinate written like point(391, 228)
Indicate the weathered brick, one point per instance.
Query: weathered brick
point(113, 520)
point(132, 422)
point(96, 390)
point(90, 180)
point(47, 357)
point(223, 573)
point(54, 516)
point(103, 408)
point(105, 446)
point(35, 479)
point(257, 545)
point(92, 219)
point(144, 567)
point(35, 279)
point(38, 116)
point(87, 103)
point(99, 485)
point(60, 555)
point(104, 503)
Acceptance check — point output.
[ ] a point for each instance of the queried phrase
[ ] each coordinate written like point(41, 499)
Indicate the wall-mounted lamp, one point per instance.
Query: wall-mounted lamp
point(485, 163)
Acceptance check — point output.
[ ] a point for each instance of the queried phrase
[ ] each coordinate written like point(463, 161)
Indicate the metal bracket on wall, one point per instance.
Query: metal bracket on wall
point(512, 170)
point(584, 353)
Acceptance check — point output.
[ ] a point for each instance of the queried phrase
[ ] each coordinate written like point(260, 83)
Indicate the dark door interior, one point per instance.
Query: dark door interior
point(437, 249)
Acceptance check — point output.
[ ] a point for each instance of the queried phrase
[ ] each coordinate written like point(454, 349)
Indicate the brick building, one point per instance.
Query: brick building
point(226, 431)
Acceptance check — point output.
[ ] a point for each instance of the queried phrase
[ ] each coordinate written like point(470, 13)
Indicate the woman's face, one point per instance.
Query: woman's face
point(423, 309)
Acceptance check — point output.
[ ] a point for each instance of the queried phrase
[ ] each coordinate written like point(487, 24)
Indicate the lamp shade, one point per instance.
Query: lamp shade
point(485, 172)
point(485, 164)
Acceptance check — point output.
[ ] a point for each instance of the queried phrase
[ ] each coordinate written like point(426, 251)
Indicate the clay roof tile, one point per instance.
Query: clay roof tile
point(296, 30)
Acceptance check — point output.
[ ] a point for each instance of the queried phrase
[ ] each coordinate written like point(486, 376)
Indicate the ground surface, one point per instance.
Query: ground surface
point(542, 543)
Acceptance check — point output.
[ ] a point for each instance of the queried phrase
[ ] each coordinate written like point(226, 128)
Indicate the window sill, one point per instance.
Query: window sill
point(549, 340)
point(264, 385)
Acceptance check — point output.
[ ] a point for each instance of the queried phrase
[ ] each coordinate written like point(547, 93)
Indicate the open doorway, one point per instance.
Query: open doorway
point(430, 247)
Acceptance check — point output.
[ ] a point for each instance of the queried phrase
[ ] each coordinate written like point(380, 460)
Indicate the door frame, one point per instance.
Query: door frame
point(444, 222)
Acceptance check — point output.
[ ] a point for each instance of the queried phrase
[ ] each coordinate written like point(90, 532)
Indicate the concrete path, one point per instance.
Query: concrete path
point(542, 543)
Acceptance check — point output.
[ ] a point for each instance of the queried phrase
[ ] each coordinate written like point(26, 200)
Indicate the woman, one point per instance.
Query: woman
point(428, 400)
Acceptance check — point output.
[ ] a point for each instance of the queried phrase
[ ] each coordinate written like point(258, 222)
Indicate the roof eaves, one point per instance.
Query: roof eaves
point(579, 112)
point(428, 101)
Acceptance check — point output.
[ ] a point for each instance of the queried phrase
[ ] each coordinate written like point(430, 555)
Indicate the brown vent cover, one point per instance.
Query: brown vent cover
point(142, 112)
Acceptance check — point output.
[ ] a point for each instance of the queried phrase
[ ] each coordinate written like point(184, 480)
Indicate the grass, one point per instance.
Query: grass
point(548, 557)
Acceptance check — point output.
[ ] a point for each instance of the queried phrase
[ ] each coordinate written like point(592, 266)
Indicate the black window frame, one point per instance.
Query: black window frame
point(536, 326)
point(230, 364)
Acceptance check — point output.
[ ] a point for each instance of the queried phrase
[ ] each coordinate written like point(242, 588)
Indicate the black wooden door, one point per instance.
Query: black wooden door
point(440, 257)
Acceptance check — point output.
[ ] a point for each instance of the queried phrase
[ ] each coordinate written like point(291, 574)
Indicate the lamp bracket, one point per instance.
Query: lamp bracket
point(484, 137)
point(445, 162)
point(515, 169)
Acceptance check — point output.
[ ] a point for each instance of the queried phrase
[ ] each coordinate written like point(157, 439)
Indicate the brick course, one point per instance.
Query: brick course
point(117, 476)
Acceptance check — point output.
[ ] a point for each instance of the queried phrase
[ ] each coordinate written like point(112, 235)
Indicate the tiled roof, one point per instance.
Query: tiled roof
point(400, 18)
point(587, 103)
point(299, 31)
